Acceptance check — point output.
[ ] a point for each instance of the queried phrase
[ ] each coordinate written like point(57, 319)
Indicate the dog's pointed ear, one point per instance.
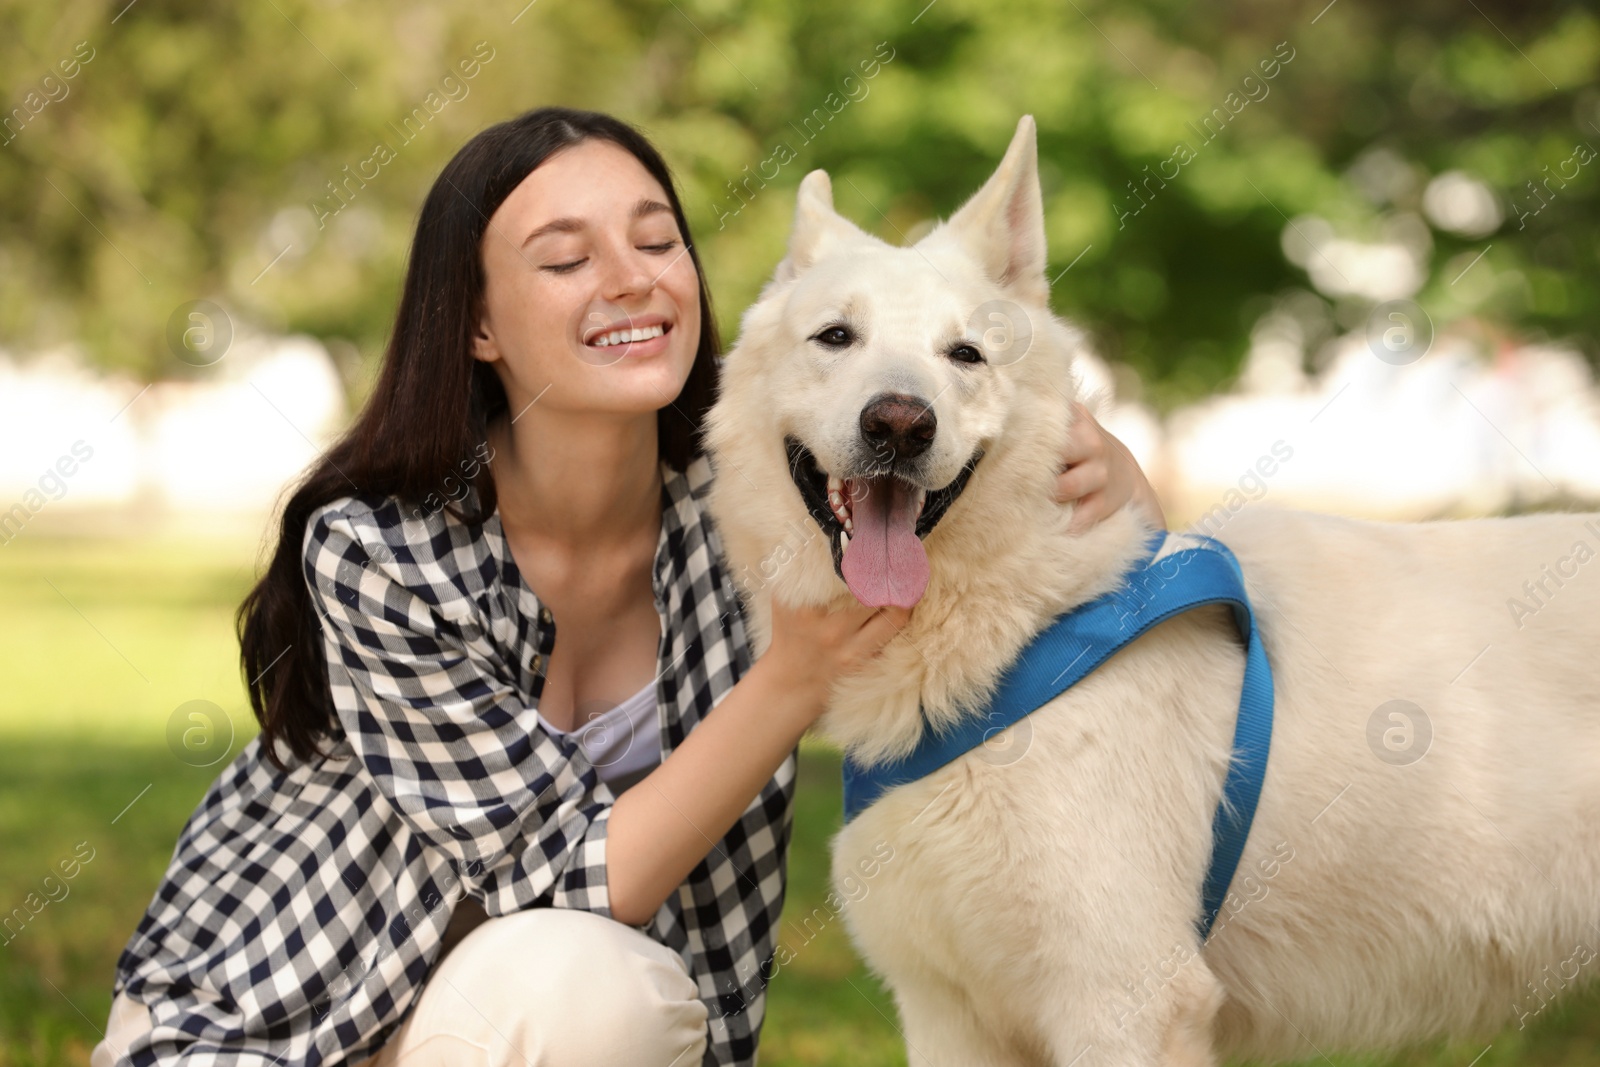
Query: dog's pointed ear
point(1002, 224)
point(816, 226)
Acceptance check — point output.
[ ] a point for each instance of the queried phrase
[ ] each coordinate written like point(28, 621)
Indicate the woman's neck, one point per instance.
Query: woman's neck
point(584, 481)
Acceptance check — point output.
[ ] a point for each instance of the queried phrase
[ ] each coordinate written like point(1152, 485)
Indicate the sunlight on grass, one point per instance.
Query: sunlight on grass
point(102, 640)
point(105, 638)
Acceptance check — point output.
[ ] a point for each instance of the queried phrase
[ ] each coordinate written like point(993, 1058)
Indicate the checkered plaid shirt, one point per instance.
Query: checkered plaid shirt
point(303, 909)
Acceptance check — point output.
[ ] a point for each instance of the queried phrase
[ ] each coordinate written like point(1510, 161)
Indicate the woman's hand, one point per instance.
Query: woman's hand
point(812, 646)
point(657, 835)
point(1101, 475)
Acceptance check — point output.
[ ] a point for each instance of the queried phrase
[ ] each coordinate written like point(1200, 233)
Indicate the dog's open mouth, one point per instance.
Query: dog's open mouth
point(875, 525)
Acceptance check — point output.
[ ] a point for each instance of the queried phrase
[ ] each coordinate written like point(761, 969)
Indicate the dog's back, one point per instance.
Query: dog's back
point(1423, 860)
point(1436, 768)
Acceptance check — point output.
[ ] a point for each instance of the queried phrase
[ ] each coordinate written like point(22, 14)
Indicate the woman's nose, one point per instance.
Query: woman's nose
point(627, 272)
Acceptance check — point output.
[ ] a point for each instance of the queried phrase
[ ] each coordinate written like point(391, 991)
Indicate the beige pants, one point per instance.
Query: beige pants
point(548, 987)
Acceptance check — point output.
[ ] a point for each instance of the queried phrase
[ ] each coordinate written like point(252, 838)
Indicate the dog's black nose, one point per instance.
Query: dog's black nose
point(896, 425)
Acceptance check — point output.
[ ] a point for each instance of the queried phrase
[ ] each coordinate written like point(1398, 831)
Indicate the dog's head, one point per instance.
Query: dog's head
point(879, 385)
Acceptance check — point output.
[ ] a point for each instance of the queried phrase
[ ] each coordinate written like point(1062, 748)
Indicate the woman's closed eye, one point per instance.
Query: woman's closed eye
point(660, 248)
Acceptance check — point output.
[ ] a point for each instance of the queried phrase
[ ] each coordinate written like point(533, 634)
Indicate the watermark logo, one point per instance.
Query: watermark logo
point(343, 189)
point(50, 90)
point(1004, 329)
point(742, 191)
point(1399, 733)
point(1005, 745)
point(1539, 590)
point(1399, 332)
point(54, 888)
point(52, 485)
point(199, 332)
point(199, 733)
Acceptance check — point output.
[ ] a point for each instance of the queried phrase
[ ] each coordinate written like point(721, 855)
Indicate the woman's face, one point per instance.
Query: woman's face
point(591, 300)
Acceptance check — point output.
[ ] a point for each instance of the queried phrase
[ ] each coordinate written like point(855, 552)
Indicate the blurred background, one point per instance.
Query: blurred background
point(1357, 237)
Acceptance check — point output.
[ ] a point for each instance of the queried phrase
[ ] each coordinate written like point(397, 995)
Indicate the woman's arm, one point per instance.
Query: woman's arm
point(1101, 475)
point(450, 745)
point(666, 823)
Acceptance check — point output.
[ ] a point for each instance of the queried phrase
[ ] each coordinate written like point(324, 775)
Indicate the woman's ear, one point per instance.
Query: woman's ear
point(483, 344)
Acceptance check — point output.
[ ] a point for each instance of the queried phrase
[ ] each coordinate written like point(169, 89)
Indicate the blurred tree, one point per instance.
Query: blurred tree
point(271, 157)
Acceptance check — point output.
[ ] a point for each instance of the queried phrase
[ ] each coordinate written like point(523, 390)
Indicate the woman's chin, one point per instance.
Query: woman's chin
point(640, 387)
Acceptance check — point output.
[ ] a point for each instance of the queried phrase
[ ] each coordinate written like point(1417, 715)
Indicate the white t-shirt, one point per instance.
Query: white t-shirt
point(624, 744)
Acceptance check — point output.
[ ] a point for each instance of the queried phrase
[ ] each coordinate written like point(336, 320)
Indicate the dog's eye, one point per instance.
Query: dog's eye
point(835, 337)
point(966, 354)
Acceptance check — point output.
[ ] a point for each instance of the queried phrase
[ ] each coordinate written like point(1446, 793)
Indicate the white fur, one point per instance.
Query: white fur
point(1040, 901)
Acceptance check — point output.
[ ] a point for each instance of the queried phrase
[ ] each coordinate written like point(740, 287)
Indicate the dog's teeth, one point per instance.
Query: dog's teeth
point(850, 527)
point(835, 499)
point(844, 540)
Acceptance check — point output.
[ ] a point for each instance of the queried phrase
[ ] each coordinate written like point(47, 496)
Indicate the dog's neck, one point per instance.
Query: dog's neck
point(1017, 569)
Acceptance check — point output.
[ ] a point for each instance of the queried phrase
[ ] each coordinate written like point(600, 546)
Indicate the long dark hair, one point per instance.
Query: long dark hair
point(431, 406)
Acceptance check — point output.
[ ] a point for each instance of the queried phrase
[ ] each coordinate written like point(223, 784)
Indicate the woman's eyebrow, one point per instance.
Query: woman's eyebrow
point(647, 206)
point(566, 225)
point(644, 206)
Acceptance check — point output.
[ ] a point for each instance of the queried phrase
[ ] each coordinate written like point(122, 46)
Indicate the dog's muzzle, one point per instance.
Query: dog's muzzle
point(877, 573)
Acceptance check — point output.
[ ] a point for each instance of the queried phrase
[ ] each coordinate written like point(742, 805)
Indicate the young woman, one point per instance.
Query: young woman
point(614, 809)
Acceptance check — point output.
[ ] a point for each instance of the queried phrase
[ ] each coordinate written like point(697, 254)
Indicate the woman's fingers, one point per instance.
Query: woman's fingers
point(1089, 476)
point(1087, 511)
point(1101, 475)
point(885, 623)
point(879, 629)
point(1085, 439)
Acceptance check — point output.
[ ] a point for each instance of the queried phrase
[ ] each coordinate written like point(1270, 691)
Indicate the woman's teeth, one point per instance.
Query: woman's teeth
point(619, 337)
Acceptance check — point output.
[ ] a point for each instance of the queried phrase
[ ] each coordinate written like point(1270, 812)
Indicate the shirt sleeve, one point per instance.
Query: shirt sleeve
point(425, 705)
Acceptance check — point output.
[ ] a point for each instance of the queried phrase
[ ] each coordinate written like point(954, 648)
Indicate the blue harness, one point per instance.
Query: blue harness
point(1082, 639)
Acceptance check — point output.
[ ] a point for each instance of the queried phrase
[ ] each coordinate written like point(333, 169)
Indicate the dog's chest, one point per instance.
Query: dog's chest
point(930, 880)
point(983, 872)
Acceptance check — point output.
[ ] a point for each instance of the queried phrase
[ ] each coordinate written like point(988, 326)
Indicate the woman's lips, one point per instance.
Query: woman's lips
point(648, 346)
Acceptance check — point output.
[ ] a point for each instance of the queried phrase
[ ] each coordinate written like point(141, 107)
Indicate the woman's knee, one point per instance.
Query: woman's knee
point(553, 986)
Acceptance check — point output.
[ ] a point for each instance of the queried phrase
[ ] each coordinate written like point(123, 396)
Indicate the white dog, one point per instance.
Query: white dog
point(1426, 855)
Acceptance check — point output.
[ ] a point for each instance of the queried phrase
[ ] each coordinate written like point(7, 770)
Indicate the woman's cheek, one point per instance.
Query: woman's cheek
point(686, 294)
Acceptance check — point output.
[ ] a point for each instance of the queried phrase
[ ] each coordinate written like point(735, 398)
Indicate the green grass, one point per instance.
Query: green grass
point(101, 640)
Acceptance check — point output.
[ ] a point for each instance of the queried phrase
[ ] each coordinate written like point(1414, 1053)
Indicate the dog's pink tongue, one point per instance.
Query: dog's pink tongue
point(884, 563)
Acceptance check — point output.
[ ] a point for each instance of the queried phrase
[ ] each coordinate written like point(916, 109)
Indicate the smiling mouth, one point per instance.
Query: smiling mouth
point(875, 523)
point(622, 335)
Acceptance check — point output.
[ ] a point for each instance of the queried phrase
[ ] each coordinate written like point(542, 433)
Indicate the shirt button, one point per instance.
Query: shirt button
point(538, 661)
point(544, 615)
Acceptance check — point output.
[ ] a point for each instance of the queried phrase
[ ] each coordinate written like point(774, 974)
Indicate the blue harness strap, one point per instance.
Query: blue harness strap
point(1080, 640)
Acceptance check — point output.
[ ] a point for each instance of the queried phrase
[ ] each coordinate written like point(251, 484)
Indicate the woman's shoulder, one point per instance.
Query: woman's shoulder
point(435, 553)
point(387, 525)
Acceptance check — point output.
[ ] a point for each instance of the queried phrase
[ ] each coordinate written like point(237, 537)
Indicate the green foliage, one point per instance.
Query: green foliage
point(189, 152)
